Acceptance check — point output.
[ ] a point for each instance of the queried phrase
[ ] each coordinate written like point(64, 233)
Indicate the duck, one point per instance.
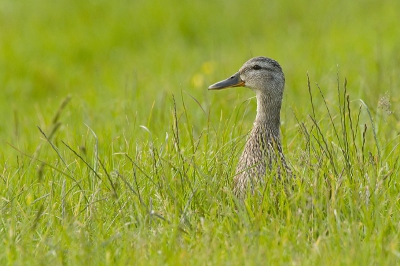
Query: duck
point(263, 149)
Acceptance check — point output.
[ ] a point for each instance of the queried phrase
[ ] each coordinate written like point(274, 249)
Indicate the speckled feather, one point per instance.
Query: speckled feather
point(263, 149)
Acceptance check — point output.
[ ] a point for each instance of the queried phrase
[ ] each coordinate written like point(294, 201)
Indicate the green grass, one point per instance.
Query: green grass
point(114, 152)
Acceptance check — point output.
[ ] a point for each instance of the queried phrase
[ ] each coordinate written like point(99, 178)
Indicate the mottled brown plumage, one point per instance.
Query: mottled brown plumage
point(263, 148)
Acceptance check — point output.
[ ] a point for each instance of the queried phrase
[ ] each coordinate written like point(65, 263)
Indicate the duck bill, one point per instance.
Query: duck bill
point(234, 81)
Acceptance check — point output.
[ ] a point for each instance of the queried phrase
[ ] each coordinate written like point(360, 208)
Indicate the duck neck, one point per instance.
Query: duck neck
point(268, 114)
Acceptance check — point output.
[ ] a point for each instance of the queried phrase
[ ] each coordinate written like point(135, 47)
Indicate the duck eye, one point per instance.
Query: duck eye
point(256, 67)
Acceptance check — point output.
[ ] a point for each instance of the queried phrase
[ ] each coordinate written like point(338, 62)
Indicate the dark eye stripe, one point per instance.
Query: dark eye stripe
point(257, 67)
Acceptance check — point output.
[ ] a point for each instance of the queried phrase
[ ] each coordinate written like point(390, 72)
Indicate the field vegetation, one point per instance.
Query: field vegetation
point(115, 153)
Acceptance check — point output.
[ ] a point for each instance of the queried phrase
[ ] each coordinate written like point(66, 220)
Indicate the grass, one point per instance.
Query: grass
point(115, 153)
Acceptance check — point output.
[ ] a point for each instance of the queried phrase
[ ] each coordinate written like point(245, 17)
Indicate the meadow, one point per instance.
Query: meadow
point(115, 153)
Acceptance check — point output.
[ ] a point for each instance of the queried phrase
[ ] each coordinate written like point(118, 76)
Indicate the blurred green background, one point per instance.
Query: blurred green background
point(122, 62)
point(117, 59)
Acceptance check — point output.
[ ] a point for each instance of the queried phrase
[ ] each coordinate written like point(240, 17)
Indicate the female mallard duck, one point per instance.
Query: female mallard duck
point(263, 148)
